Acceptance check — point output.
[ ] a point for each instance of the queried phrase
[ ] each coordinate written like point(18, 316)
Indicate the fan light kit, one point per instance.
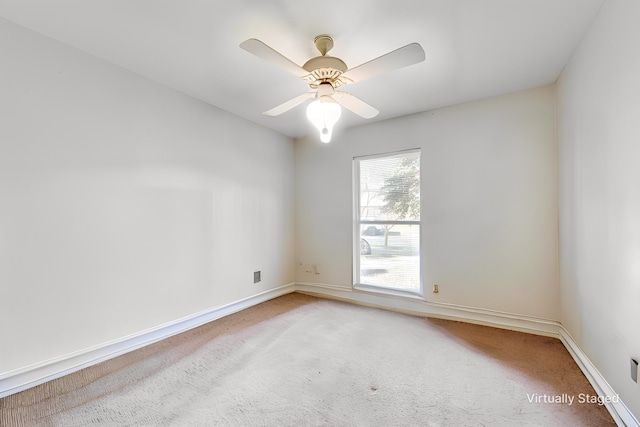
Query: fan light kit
point(324, 74)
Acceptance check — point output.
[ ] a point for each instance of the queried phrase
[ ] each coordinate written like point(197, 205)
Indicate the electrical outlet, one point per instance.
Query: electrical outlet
point(256, 276)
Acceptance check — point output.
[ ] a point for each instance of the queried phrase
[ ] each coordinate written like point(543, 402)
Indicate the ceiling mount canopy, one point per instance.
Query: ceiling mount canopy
point(324, 43)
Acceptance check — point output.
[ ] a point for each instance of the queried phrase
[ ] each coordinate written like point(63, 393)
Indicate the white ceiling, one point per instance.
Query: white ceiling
point(474, 48)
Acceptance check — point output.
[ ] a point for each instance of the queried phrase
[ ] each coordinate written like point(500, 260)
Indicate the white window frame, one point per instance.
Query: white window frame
point(357, 222)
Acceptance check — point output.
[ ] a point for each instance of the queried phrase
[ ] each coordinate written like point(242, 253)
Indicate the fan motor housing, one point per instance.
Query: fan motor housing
point(324, 69)
point(325, 62)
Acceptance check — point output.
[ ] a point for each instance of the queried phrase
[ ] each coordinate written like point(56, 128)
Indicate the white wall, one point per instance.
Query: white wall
point(599, 157)
point(489, 201)
point(124, 204)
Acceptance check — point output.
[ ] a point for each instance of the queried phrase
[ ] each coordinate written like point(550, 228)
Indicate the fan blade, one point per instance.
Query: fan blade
point(355, 104)
point(265, 52)
point(286, 106)
point(402, 57)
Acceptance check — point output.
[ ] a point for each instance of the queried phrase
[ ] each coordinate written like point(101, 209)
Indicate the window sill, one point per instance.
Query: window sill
point(389, 292)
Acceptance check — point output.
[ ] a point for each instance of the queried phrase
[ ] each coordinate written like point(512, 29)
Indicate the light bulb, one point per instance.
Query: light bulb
point(324, 113)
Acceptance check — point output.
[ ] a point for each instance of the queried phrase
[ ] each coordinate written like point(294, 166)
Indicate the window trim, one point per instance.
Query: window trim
point(357, 222)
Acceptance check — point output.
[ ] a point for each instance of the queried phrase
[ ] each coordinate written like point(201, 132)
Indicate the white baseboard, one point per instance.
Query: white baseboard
point(417, 306)
point(30, 376)
point(618, 410)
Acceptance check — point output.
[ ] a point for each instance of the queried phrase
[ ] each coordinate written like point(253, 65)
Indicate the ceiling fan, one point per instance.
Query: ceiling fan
point(324, 74)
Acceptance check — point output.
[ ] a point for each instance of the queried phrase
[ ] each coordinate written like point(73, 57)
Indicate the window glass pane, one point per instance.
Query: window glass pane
point(390, 256)
point(390, 188)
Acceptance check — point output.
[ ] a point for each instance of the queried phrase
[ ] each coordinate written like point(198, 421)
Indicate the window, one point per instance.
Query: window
point(387, 222)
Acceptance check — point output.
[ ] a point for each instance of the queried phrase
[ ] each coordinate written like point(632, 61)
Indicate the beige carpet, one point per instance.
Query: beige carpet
point(303, 361)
